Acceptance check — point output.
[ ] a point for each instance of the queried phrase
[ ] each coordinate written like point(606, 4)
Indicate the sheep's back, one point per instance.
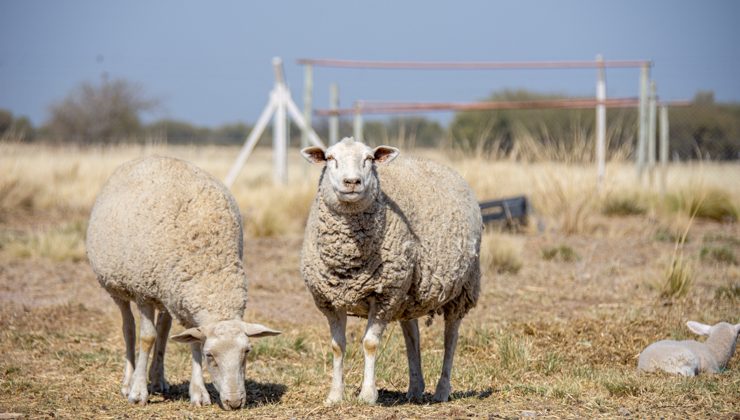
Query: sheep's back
point(160, 223)
point(444, 216)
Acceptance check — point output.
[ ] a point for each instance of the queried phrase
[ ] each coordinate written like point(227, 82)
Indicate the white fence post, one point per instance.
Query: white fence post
point(664, 130)
point(600, 122)
point(652, 119)
point(307, 101)
point(642, 120)
point(334, 118)
point(358, 122)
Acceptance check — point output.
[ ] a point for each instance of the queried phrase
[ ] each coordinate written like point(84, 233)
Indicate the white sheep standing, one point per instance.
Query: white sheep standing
point(689, 357)
point(390, 242)
point(167, 235)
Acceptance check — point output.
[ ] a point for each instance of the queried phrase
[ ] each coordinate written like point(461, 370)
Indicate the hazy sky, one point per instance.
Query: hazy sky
point(209, 62)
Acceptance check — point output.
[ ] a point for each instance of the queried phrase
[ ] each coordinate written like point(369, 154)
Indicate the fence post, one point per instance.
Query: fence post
point(279, 142)
point(600, 122)
point(307, 101)
point(358, 122)
point(651, 139)
point(642, 120)
point(664, 130)
point(334, 118)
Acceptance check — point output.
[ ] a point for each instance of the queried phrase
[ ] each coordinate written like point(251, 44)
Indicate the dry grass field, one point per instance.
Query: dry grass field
point(567, 303)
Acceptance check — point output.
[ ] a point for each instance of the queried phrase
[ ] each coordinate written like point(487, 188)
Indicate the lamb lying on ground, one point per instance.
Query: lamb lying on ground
point(390, 242)
point(167, 235)
point(690, 358)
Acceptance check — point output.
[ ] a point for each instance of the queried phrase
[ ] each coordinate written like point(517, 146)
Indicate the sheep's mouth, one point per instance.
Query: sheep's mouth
point(350, 196)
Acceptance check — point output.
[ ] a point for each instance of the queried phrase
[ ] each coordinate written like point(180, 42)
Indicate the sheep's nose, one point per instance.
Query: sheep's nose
point(232, 403)
point(352, 182)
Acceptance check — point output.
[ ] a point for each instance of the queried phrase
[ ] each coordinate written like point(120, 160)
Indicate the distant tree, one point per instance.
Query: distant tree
point(705, 129)
point(12, 128)
point(405, 132)
point(499, 130)
point(107, 112)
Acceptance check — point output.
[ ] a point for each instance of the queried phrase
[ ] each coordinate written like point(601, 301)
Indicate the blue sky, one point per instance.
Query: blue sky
point(209, 62)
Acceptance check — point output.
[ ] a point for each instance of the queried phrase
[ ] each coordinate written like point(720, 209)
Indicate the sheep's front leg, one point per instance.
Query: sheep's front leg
point(370, 344)
point(129, 338)
point(413, 352)
point(156, 371)
point(147, 335)
point(198, 392)
point(337, 326)
point(442, 393)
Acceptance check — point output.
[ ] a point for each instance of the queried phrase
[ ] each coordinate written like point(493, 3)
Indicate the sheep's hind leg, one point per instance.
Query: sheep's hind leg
point(147, 335)
point(442, 393)
point(129, 338)
point(413, 352)
point(337, 326)
point(157, 382)
point(370, 344)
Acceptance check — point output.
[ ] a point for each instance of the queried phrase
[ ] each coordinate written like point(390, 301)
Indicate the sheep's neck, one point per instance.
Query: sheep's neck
point(349, 243)
point(722, 347)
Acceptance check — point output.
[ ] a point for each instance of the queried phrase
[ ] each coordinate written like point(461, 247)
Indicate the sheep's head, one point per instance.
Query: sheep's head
point(350, 182)
point(225, 345)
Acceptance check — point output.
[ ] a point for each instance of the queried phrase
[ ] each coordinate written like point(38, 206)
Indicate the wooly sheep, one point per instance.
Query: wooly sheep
point(690, 358)
point(390, 242)
point(167, 235)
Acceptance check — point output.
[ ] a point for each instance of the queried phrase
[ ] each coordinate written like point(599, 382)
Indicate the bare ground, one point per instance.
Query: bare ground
point(574, 328)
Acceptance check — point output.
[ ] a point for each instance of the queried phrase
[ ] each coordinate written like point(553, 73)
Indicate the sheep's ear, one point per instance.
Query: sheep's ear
point(314, 154)
point(258, 330)
point(384, 154)
point(191, 335)
point(699, 328)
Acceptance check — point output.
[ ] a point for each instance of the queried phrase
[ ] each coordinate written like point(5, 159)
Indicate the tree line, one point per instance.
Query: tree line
point(110, 112)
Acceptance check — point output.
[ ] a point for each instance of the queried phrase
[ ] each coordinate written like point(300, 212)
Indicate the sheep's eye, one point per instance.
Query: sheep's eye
point(210, 358)
point(328, 158)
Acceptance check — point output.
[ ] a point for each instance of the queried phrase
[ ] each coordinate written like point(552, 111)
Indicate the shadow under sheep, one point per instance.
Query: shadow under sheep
point(257, 393)
point(394, 398)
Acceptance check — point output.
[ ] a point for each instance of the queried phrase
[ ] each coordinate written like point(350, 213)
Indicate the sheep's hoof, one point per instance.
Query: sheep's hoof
point(199, 396)
point(335, 397)
point(138, 395)
point(159, 387)
point(415, 395)
point(369, 395)
point(442, 394)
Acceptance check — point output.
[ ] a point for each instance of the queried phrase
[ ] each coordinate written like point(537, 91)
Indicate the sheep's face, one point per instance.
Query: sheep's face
point(225, 345)
point(349, 174)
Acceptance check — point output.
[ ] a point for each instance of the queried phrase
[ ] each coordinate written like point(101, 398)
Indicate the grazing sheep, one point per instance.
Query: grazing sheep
point(390, 242)
point(167, 235)
point(690, 358)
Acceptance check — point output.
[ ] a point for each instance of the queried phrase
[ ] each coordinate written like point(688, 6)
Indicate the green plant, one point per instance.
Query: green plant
point(718, 254)
point(560, 252)
point(623, 205)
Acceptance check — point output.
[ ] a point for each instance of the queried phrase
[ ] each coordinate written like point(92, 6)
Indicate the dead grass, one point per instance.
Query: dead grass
point(554, 338)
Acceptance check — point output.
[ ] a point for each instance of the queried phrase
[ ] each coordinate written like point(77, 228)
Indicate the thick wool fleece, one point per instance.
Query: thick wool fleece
point(164, 231)
point(415, 250)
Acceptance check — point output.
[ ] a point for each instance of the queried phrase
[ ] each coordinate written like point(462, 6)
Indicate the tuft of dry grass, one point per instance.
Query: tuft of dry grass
point(501, 253)
point(60, 243)
point(704, 203)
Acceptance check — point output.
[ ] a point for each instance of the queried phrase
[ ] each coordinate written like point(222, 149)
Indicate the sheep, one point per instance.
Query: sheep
point(689, 357)
point(167, 235)
point(390, 242)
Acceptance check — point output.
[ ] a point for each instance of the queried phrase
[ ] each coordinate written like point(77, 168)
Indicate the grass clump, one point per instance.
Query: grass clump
point(712, 204)
point(513, 353)
point(61, 243)
point(501, 253)
point(560, 252)
point(718, 254)
point(678, 279)
point(623, 205)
